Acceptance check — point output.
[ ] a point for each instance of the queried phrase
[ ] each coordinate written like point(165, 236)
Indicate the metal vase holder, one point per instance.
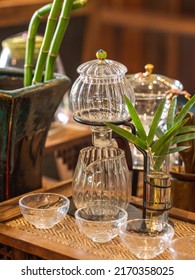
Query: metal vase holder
point(146, 182)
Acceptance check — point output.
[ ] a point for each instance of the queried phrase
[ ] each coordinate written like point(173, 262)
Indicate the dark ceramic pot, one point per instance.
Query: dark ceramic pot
point(25, 118)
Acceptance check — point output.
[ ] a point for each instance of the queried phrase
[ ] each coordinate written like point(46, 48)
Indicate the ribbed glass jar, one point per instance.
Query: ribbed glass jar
point(97, 95)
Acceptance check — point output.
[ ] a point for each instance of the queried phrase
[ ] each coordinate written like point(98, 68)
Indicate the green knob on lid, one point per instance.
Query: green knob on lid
point(101, 54)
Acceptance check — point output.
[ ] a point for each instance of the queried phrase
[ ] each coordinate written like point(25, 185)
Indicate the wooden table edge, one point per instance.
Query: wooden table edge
point(40, 247)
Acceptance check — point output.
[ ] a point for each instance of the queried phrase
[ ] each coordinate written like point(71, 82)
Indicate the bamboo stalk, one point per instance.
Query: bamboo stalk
point(30, 44)
point(57, 38)
point(49, 32)
point(32, 32)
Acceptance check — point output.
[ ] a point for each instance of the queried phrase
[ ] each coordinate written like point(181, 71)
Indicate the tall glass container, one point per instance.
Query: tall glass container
point(97, 96)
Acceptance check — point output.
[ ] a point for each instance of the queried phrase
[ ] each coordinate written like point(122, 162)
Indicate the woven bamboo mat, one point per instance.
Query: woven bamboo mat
point(67, 233)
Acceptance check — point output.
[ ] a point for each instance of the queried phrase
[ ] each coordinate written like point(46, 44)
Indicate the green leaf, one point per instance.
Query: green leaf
point(136, 119)
point(155, 122)
point(159, 132)
point(163, 150)
point(128, 135)
point(186, 108)
point(178, 149)
point(171, 112)
point(158, 162)
point(167, 136)
point(185, 129)
point(183, 138)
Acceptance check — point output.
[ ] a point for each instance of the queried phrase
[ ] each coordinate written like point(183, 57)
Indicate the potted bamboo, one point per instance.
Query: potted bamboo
point(29, 99)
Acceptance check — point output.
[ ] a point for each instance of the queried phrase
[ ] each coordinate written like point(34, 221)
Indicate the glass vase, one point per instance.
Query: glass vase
point(157, 193)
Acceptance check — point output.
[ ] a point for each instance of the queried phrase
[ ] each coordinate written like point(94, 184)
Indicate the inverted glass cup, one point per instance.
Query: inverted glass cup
point(44, 210)
point(146, 238)
point(183, 248)
point(100, 224)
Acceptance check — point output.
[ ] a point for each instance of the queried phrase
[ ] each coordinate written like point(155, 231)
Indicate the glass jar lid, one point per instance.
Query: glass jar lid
point(17, 44)
point(102, 70)
point(149, 83)
point(97, 95)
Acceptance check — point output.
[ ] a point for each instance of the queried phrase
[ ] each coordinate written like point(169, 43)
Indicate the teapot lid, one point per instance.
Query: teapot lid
point(102, 70)
point(147, 82)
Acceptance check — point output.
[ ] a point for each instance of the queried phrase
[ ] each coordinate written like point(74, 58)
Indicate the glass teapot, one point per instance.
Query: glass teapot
point(150, 89)
point(102, 175)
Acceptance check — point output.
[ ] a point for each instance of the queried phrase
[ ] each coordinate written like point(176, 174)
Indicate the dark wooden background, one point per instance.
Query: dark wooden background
point(134, 32)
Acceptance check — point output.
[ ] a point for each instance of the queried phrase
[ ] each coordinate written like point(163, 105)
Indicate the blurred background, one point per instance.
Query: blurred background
point(134, 32)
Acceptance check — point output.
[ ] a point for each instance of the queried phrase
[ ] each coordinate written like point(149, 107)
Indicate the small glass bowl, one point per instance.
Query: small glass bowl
point(183, 248)
point(44, 210)
point(146, 238)
point(100, 223)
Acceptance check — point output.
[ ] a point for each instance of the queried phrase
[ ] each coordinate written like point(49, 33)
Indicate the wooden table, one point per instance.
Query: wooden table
point(62, 137)
point(19, 240)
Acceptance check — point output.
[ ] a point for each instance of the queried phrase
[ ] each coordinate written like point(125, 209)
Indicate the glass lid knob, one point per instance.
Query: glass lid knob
point(149, 69)
point(101, 54)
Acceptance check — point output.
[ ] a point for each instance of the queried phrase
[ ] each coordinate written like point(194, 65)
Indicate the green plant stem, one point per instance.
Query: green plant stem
point(30, 44)
point(32, 32)
point(49, 32)
point(57, 38)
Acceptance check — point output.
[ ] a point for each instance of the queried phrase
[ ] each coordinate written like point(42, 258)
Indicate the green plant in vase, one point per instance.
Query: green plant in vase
point(158, 144)
point(28, 102)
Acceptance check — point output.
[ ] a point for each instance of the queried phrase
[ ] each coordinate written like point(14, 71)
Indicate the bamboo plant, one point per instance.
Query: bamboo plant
point(157, 143)
point(58, 13)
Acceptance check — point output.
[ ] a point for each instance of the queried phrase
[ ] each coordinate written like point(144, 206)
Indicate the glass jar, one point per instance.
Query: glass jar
point(97, 96)
point(13, 50)
point(150, 89)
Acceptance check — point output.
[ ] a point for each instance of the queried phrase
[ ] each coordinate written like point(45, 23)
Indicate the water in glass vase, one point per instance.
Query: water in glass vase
point(158, 196)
